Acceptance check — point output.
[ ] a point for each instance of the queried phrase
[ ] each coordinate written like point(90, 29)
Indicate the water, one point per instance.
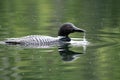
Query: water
point(97, 61)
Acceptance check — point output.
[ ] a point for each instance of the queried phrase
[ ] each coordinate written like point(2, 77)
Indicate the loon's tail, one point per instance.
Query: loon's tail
point(11, 41)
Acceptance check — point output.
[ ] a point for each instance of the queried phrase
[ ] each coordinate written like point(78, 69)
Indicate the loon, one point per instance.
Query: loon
point(63, 35)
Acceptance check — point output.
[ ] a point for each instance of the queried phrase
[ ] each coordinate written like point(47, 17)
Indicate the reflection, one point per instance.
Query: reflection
point(66, 54)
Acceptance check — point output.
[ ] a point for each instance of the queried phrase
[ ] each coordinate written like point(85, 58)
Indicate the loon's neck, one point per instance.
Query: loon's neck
point(64, 38)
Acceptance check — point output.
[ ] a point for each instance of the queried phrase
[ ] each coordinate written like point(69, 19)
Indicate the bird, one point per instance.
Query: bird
point(63, 36)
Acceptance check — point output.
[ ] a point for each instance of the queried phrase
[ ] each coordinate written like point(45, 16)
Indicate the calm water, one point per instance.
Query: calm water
point(99, 61)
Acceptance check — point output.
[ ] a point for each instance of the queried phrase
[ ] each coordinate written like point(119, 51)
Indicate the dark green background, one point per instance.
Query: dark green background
point(101, 20)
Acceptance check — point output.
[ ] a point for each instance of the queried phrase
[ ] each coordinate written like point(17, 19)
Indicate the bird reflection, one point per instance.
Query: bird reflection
point(67, 54)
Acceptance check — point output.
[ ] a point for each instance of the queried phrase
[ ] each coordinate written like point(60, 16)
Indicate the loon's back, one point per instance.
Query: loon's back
point(32, 40)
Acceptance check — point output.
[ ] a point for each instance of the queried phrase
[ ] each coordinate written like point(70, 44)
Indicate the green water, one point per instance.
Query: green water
point(101, 20)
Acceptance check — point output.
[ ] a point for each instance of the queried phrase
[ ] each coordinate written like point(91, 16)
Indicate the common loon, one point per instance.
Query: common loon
point(40, 40)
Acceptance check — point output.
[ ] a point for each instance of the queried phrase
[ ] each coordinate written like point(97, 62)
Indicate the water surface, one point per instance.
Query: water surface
point(98, 61)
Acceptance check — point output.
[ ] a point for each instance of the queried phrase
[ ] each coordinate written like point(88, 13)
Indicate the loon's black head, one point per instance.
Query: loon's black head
point(66, 29)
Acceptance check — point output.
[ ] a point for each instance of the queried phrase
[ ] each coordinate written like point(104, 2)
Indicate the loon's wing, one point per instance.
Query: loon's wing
point(32, 40)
